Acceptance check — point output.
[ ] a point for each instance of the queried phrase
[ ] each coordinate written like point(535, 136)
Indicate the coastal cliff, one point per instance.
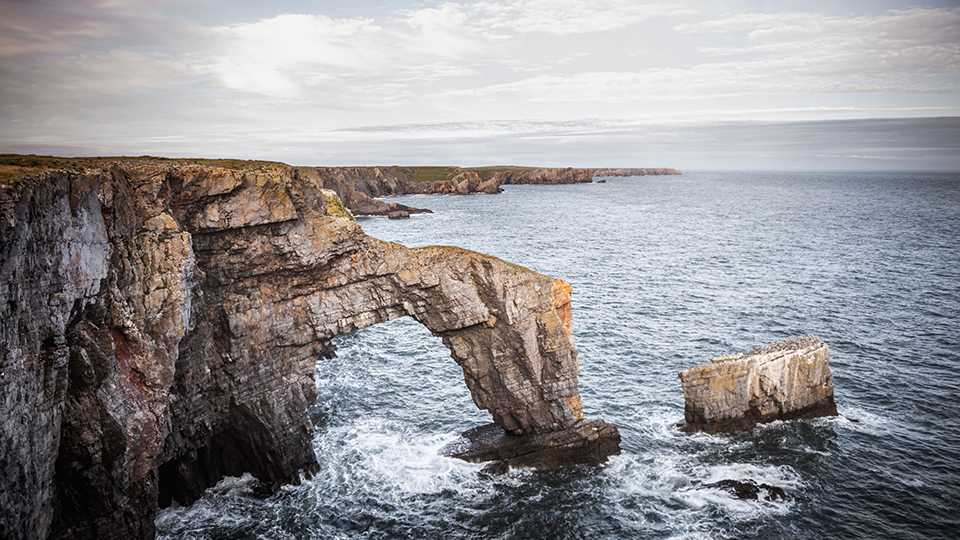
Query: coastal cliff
point(160, 322)
point(360, 187)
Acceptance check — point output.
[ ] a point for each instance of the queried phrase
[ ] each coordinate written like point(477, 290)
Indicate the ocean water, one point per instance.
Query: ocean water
point(667, 272)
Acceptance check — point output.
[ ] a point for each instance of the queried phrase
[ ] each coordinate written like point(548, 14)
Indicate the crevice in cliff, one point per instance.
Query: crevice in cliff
point(244, 444)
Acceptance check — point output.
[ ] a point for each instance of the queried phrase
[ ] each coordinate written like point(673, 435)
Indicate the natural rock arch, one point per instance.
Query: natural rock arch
point(506, 326)
point(276, 293)
point(167, 320)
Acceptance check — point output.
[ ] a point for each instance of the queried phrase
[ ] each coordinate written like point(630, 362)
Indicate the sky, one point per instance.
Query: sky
point(726, 84)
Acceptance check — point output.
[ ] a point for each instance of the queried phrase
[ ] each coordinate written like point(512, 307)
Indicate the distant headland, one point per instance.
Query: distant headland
point(361, 187)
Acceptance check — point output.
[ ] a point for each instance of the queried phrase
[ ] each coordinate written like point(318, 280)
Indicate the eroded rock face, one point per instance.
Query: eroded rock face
point(648, 171)
point(545, 176)
point(161, 322)
point(361, 187)
point(786, 380)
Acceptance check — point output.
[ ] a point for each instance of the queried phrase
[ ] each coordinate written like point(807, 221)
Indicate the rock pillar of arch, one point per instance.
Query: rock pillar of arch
point(506, 326)
point(284, 269)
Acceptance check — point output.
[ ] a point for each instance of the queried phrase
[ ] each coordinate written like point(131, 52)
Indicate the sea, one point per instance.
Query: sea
point(667, 272)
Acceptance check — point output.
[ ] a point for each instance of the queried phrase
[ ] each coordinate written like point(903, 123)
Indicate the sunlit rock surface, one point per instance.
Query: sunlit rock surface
point(160, 324)
point(782, 381)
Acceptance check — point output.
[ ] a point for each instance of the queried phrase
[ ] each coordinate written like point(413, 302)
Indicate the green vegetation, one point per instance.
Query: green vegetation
point(335, 207)
point(486, 172)
point(15, 167)
point(433, 174)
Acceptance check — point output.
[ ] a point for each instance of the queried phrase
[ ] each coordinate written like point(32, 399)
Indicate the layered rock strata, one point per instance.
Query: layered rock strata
point(655, 171)
point(160, 323)
point(786, 380)
point(543, 176)
point(360, 187)
point(569, 175)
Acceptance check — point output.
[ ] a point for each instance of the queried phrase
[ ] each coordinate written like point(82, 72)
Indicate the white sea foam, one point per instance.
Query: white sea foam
point(210, 510)
point(400, 464)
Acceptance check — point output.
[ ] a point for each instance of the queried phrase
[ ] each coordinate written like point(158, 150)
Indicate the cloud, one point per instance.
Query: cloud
point(162, 74)
point(287, 55)
point(563, 17)
point(897, 44)
point(277, 56)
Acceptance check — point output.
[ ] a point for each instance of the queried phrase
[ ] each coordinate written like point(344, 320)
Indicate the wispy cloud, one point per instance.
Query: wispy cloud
point(563, 17)
point(111, 70)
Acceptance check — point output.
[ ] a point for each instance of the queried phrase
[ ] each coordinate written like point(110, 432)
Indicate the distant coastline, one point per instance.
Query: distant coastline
point(360, 188)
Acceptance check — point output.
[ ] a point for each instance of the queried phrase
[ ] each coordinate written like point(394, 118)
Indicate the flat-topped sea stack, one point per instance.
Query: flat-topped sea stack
point(786, 380)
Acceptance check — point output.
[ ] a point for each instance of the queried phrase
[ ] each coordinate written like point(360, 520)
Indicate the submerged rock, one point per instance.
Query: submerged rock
point(588, 442)
point(786, 380)
point(750, 490)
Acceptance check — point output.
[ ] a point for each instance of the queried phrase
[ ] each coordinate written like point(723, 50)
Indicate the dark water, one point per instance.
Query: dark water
point(667, 272)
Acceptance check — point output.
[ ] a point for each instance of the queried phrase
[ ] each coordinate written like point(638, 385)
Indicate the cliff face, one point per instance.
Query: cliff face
point(656, 171)
point(782, 381)
point(161, 321)
point(360, 187)
point(544, 176)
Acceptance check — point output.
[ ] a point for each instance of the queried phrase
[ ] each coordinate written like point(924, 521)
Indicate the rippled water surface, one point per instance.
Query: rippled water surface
point(667, 272)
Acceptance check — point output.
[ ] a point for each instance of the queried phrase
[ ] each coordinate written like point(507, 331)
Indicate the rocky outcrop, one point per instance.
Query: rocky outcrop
point(360, 187)
point(588, 442)
point(786, 380)
point(658, 171)
point(160, 323)
point(544, 176)
point(749, 490)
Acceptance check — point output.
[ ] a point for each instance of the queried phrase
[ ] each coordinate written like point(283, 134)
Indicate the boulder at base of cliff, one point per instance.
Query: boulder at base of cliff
point(786, 380)
point(399, 214)
point(588, 442)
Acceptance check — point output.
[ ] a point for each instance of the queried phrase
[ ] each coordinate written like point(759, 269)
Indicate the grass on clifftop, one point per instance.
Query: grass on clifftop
point(17, 166)
point(486, 172)
point(439, 174)
point(435, 174)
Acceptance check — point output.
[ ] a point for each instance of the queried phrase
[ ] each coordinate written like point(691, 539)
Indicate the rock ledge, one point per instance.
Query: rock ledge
point(588, 442)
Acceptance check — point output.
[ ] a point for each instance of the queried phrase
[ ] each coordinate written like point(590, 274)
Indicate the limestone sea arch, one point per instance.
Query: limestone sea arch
point(164, 319)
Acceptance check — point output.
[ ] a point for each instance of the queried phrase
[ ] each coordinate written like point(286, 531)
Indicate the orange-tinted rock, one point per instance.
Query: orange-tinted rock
point(161, 322)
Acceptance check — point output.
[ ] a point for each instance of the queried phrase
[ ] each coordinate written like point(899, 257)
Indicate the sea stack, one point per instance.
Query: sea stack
point(786, 380)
